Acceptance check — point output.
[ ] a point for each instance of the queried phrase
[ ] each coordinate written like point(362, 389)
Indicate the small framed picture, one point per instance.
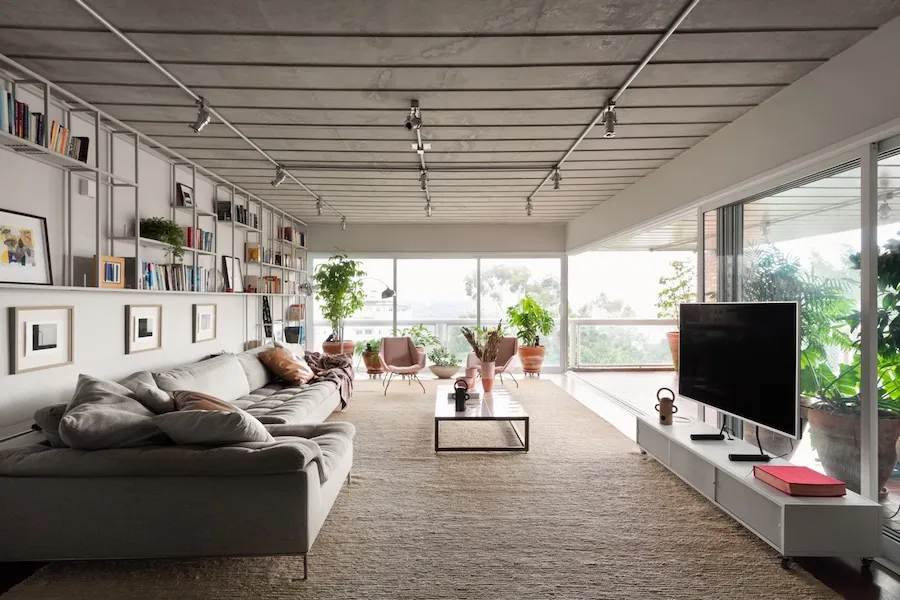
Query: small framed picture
point(185, 195)
point(24, 249)
point(233, 273)
point(204, 322)
point(143, 327)
point(41, 337)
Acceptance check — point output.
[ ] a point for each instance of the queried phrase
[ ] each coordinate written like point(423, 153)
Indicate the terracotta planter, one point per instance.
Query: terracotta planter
point(836, 440)
point(532, 358)
point(345, 347)
point(674, 338)
point(443, 371)
point(373, 364)
point(487, 376)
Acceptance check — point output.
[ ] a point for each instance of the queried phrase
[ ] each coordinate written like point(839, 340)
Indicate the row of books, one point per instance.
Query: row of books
point(255, 254)
point(199, 239)
point(270, 284)
point(17, 119)
point(240, 214)
point(288, 234)
point(175, 278)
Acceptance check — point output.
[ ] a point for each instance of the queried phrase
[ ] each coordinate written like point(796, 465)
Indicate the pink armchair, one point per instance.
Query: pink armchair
point(399, 356)
point(509, 348)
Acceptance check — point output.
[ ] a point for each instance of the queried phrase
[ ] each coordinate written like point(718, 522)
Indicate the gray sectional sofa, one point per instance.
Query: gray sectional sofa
point(165, 500)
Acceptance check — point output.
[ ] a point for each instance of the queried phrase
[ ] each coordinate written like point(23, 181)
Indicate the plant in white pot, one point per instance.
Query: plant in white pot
point(340, 289)
point(445, 364)
point(677, 288)
point(532, 321)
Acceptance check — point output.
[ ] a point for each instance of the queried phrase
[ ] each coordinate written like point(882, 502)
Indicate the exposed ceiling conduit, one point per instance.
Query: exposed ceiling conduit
point(115, 31)
point(615, 97)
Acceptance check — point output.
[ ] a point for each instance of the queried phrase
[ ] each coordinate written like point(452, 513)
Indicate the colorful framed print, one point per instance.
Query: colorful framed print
point(204, 322)
point(24, 249)
point(143, 327)
point(41, 337)
point(185, 195)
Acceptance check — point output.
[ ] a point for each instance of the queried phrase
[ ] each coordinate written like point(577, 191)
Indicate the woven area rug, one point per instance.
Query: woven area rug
point(583, 515)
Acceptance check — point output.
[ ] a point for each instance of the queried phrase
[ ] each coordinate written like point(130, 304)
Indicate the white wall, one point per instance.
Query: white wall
point(31, 187)
point(426, 238)
point(850, 95)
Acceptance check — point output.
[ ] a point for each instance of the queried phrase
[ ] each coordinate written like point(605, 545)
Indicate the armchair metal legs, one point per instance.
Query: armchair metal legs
point(387, 383)
point(511, 375)
point(411, 376)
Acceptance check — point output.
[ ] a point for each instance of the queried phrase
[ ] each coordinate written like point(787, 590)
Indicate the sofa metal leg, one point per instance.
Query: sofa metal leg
point(348, 477)
point(416, 377)
point(305, 566)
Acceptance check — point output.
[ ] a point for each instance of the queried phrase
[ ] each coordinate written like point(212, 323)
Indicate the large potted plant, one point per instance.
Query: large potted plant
point(485, 344)
point(676, 289)
point(369, 349)
point(532, 321)
point(340, 289)
point(445, 364)
point(834, 414)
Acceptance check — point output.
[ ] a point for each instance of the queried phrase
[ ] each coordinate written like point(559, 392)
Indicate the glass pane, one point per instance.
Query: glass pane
point(889, 340)
point(799, 244)
point(505, 281)
point(597, 346)
point(440, 294)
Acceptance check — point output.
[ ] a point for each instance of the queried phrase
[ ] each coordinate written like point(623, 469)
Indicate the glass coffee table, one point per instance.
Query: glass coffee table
point(497, 406)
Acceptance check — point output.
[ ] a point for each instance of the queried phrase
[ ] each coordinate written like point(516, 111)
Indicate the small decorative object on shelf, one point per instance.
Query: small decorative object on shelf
point(112, 271)
point(24, 249)
point(666, 406)
point(253, 252)
point(296, 312)
point(40, 337)
point(185, 195)
point(204, 322)
point(143, 327)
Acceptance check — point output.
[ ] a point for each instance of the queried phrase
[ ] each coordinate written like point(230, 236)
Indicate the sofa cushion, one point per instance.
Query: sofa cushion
point(257, 375)
point(104, 414)
point(334, 439)
point(186, 400)
point(48, 418)
point(221, 376)
point(212, 427)
point(286, 366)
point(277, 403)
point(156, 400)
point(136, 378)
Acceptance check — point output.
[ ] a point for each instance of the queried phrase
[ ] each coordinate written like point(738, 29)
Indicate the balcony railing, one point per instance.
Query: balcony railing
point(619, 343)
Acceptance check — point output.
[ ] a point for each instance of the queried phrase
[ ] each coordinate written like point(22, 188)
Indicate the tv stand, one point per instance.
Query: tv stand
point(793, 525)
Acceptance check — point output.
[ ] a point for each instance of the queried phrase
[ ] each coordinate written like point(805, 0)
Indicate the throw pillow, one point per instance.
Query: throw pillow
point(212, 427)
point(154, 398)
point(188, 400)
point(48, 418)
point(103, 414)
point(285, 365)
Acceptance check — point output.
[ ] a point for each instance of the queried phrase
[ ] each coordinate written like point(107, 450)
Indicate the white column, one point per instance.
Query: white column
point(868, 329)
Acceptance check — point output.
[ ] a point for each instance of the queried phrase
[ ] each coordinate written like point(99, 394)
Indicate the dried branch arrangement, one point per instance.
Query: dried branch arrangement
point(485, 342)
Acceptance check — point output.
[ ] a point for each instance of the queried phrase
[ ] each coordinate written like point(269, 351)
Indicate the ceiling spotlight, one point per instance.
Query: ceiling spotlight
point(343, 223)
point(884, 211)
point(428, 208)
point(528, 208)
point(280, 176)
point(609, 120)
point(319, 207)
point(423, 178)
point(414, 118)
point(203, 117)
point(556, 178)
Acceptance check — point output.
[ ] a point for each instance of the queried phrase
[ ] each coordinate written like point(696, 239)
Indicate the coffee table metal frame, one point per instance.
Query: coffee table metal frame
point(463, 416)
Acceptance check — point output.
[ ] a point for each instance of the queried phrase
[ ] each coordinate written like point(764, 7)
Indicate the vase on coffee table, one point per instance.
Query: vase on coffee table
point(487, 376)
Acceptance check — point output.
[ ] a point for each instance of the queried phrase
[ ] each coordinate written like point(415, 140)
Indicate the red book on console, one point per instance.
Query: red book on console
point(800, 481)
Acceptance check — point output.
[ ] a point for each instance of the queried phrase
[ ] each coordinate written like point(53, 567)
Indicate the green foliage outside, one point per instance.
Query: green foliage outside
point(676, 288)
point(340, 290)
point(166, 231)
point(421, 335)
point(531, 320)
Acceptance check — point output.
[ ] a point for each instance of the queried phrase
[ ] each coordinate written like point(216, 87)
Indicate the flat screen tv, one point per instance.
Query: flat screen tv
point(743, 359)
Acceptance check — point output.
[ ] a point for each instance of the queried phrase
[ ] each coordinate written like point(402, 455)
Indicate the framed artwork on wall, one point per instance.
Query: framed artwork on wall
point(233, 273)
point(204, 322)
point(24, 249)
point(143, 327)
point(40, 337)
point(185, 195)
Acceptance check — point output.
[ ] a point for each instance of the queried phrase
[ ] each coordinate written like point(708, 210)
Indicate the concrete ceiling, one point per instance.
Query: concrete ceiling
point(505, 86)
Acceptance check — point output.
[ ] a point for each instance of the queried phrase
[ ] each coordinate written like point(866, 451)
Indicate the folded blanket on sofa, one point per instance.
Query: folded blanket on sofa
point(336, 368)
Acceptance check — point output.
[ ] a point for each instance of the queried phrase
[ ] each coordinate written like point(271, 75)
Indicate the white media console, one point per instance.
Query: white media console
point(794, 526)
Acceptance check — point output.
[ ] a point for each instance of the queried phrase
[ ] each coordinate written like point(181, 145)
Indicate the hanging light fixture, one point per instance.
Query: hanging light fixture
point(319, 207)
point(414, 118)
point(528, 208)
point(556, 178)
point(203, 116)
point(343, 223)
point(280, 176)
point(428, 208)
point(423, 179)
point(609, 120)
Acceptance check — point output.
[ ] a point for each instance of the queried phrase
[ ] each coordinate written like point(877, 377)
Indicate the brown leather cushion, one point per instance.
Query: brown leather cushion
point(286, 366)
point(187, 400)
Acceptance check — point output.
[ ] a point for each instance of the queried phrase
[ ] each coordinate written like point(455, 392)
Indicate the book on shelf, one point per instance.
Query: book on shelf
point(799, 481)
point(198, 239)
point(174, 277)
point(286, 234)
